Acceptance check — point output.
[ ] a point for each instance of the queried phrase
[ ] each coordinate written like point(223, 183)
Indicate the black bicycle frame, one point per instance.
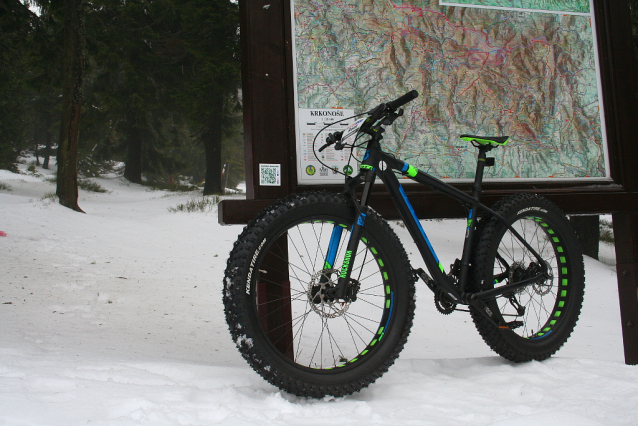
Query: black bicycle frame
point(379, 164)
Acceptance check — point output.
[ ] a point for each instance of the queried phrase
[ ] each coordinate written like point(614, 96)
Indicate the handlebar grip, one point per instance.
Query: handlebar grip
point(413, 94)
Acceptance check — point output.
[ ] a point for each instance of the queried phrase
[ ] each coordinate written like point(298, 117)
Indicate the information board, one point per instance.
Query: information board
point(321, 167)
point(523, 68)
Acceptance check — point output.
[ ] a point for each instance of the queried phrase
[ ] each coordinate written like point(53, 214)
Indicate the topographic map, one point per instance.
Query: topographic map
point(578, 6)
point(530, 75)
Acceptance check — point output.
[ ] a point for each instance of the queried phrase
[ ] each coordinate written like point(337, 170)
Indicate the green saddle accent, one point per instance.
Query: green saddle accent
point(486, 140)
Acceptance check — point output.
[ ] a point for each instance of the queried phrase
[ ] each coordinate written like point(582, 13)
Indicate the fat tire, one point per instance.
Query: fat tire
point(246, 267)
point(552, 308)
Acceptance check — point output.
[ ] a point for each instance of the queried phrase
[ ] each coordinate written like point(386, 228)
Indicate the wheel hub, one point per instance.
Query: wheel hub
point(318, 297)
point(519, 272)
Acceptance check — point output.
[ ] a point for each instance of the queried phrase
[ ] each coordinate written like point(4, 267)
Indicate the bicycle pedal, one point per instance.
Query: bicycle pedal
point(511, 325)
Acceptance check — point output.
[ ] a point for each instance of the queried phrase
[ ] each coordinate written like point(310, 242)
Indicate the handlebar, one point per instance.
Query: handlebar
point(384, 109)
point(387, 111)
point(399, 102)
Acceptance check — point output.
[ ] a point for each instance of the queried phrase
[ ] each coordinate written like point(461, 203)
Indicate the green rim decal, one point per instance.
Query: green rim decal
point(563, 278)
point(388, 305)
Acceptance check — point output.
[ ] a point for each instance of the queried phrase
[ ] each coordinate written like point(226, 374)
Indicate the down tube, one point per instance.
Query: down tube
point(418, 234)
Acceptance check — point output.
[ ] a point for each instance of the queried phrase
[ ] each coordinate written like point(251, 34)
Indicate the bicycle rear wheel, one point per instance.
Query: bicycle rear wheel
point(280, 316)
point(541, 316)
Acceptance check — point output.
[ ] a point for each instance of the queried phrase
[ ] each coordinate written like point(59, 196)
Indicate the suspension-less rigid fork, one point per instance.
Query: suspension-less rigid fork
point(341, 290)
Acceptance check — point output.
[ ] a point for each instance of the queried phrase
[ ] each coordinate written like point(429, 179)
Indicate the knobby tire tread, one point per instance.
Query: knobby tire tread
point(262, 359)
point(490, 230)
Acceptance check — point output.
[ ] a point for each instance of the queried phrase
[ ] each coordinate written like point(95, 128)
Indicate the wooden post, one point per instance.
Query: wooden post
point(273, 297)
point(626, 242)
point(588, 230)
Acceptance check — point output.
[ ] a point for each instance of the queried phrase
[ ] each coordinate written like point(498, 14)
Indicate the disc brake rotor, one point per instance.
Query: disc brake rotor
point(519, 272)
point(319, 301)
point(546, 285)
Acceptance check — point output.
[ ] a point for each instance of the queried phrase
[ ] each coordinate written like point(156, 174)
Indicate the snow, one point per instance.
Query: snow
point(115, 317)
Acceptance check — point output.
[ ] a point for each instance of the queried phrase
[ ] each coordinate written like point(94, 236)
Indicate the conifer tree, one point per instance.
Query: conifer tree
point(73, 74)
point(212, 68)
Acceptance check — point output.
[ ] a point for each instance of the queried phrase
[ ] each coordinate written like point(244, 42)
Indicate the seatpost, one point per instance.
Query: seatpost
point(471, 219)
point(480, 166)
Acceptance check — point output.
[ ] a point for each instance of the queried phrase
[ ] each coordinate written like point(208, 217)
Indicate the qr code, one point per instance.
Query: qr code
point(270, 174)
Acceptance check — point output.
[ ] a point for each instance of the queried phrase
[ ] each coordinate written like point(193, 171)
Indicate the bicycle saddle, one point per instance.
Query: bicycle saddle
point(486, 140)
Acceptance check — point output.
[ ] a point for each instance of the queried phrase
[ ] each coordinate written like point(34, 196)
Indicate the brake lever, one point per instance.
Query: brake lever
point(332, 139)
point(389, 119)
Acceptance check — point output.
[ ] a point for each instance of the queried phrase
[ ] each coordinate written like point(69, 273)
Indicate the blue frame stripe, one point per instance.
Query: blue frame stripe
point(416, 219)
point(334, 245)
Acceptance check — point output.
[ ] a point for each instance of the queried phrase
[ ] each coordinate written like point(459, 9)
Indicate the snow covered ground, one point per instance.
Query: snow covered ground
point(114, 317)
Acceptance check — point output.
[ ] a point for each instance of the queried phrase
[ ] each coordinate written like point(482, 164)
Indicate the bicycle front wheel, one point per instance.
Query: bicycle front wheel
point(281, 316)
point(541, 316)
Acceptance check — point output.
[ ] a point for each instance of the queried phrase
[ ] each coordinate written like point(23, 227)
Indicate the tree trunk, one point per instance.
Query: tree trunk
point(133, 168)
point(72, 65)
point(213, 147)
point(133, 135)
point(588, 230)
point(47, 146)
point(36, 152)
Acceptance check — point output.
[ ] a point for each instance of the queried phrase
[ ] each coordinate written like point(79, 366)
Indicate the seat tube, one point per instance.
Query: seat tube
point(471, 220)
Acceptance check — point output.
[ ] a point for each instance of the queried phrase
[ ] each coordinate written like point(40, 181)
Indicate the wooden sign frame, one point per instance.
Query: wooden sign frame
point(269, 117)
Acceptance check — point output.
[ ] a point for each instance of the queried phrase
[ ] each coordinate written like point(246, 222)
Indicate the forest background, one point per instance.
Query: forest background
point(156, 82)
point(159, 96)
